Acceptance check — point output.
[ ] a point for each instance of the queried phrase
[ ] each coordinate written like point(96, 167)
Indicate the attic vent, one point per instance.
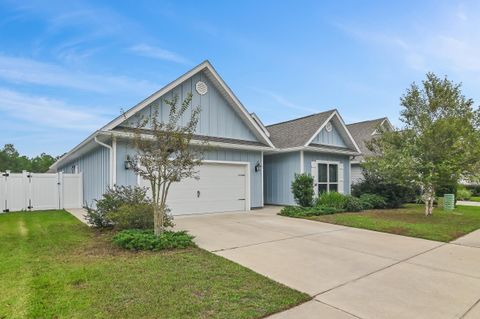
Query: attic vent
point(201, 88)
point(328, 127)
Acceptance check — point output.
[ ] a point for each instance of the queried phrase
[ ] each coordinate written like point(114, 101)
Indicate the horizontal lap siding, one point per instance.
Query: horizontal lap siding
point(95, 167)
point(279, 170)
point(309, 157)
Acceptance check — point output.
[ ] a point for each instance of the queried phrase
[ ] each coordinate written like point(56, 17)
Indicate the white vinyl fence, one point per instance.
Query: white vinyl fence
point(40, 191)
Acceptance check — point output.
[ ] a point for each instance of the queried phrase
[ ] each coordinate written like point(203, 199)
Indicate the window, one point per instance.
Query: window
point(327, 178)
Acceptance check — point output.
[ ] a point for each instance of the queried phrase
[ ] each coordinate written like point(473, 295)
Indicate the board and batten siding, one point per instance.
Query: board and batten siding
point(279, 173)
point(217, 117)
point(309, 157)
point(95, 166)
point(127, 177)
point(329, 138)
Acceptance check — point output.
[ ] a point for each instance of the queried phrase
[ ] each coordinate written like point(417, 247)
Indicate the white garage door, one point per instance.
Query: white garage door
point(221, 188)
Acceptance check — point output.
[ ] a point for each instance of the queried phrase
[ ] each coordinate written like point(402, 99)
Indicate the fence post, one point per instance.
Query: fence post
point(27, 191)
point(60, 190)
point(7, 173)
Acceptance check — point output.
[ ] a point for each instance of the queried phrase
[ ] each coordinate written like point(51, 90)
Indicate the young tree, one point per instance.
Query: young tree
point(440, 139)
point(165, 154)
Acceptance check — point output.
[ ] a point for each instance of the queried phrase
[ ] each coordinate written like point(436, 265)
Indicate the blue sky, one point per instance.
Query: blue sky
point(68, 67)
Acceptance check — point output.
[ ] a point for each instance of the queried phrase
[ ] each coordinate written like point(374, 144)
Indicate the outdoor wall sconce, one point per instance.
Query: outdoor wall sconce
point(128, 162)
point(258, 167)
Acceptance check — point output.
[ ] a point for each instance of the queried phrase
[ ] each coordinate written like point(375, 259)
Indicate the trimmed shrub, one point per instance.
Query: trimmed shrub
point(302, 189)
point(124, 207)
point(136, 239)
point(331, 199)
point(353, 204)
point(372, 201)
point(395, 195)
point(112, 200)
point(296, 211)
point(127, 216)
point(97, 218)
point(463, 193)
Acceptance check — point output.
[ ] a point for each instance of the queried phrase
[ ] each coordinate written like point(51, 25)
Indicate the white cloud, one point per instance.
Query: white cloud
point(52, 113)
point(448, 41)
point(158, 53)
point(284, 101)
point(22, 70)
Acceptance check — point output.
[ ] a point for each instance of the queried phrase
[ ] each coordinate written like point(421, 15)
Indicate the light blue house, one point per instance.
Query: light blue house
point(320, 145)
point(248, 164)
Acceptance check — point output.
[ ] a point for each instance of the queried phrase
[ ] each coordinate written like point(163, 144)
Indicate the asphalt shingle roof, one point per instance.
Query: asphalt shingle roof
point(362, 133)
point(297, 132)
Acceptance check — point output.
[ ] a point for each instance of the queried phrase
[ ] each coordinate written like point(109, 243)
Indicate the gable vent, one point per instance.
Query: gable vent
point(201, 88)
point(328, 127)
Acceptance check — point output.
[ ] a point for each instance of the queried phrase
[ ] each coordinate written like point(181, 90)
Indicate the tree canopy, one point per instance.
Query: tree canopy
point(10, 159)
point(440, 140)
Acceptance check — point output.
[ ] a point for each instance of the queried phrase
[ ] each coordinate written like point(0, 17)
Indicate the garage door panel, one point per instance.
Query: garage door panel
point(222, 188)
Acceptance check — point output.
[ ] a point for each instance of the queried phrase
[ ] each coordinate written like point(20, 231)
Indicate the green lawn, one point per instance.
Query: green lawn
point(411, 221)
point(52, 266)
point(475, 199)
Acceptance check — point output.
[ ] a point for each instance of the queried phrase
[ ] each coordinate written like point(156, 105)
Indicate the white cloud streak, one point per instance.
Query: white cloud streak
point(22, 70)
point(284, 101)
point(51, 113)
point(451, 45)
point(158, 53)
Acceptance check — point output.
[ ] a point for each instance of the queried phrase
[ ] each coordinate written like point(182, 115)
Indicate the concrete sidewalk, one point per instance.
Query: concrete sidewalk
point(349, 272)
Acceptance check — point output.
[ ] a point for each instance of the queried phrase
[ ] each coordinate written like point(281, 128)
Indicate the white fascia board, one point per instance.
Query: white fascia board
point(342, 123)
point(329, 150)
point(247, 116)
point(74, 150)
point(319, 129)
point(312, 149)
point(129, 135)
point(204, 65)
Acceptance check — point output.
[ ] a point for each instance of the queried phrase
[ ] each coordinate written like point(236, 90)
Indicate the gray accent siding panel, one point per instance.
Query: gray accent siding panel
point(309, 157)
point(279, 170)
point(357, 173)
point(95, 167)
point(329, 138)
point(217, 118)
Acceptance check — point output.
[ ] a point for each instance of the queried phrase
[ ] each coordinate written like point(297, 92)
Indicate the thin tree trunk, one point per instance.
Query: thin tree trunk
point(157, 220)
point(429, 200)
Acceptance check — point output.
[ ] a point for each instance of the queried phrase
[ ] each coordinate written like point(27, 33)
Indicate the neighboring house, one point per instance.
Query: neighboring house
point(319, 144)
point(363, 132)
point(231, 177)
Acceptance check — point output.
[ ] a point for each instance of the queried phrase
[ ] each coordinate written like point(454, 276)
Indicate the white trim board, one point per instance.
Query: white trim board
point(344, 127)
point(201, 67)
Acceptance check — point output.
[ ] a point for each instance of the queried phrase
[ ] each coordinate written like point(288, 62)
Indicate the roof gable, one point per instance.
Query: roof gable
point(332, 137)
point(245, 125)
point(365, 131)
point(302, 132)
point(296, 132)
point(217, 119)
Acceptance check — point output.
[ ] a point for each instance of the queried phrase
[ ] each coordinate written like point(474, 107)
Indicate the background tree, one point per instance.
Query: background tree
point(440, 140)
point(11, 160)
point(165, 154)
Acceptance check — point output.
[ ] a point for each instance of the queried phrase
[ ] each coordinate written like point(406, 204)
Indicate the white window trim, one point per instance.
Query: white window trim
point(328, 173)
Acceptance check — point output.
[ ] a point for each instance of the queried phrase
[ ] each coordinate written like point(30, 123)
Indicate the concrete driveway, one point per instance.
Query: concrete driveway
point(350, 273)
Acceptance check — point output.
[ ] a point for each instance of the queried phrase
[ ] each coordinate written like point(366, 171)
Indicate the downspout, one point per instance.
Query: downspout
point(112, 163)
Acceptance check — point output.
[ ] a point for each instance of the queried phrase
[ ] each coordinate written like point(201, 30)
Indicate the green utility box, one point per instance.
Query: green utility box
point(448, 202)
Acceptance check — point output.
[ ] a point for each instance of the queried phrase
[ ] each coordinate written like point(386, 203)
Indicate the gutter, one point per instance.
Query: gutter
point(113, 157)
